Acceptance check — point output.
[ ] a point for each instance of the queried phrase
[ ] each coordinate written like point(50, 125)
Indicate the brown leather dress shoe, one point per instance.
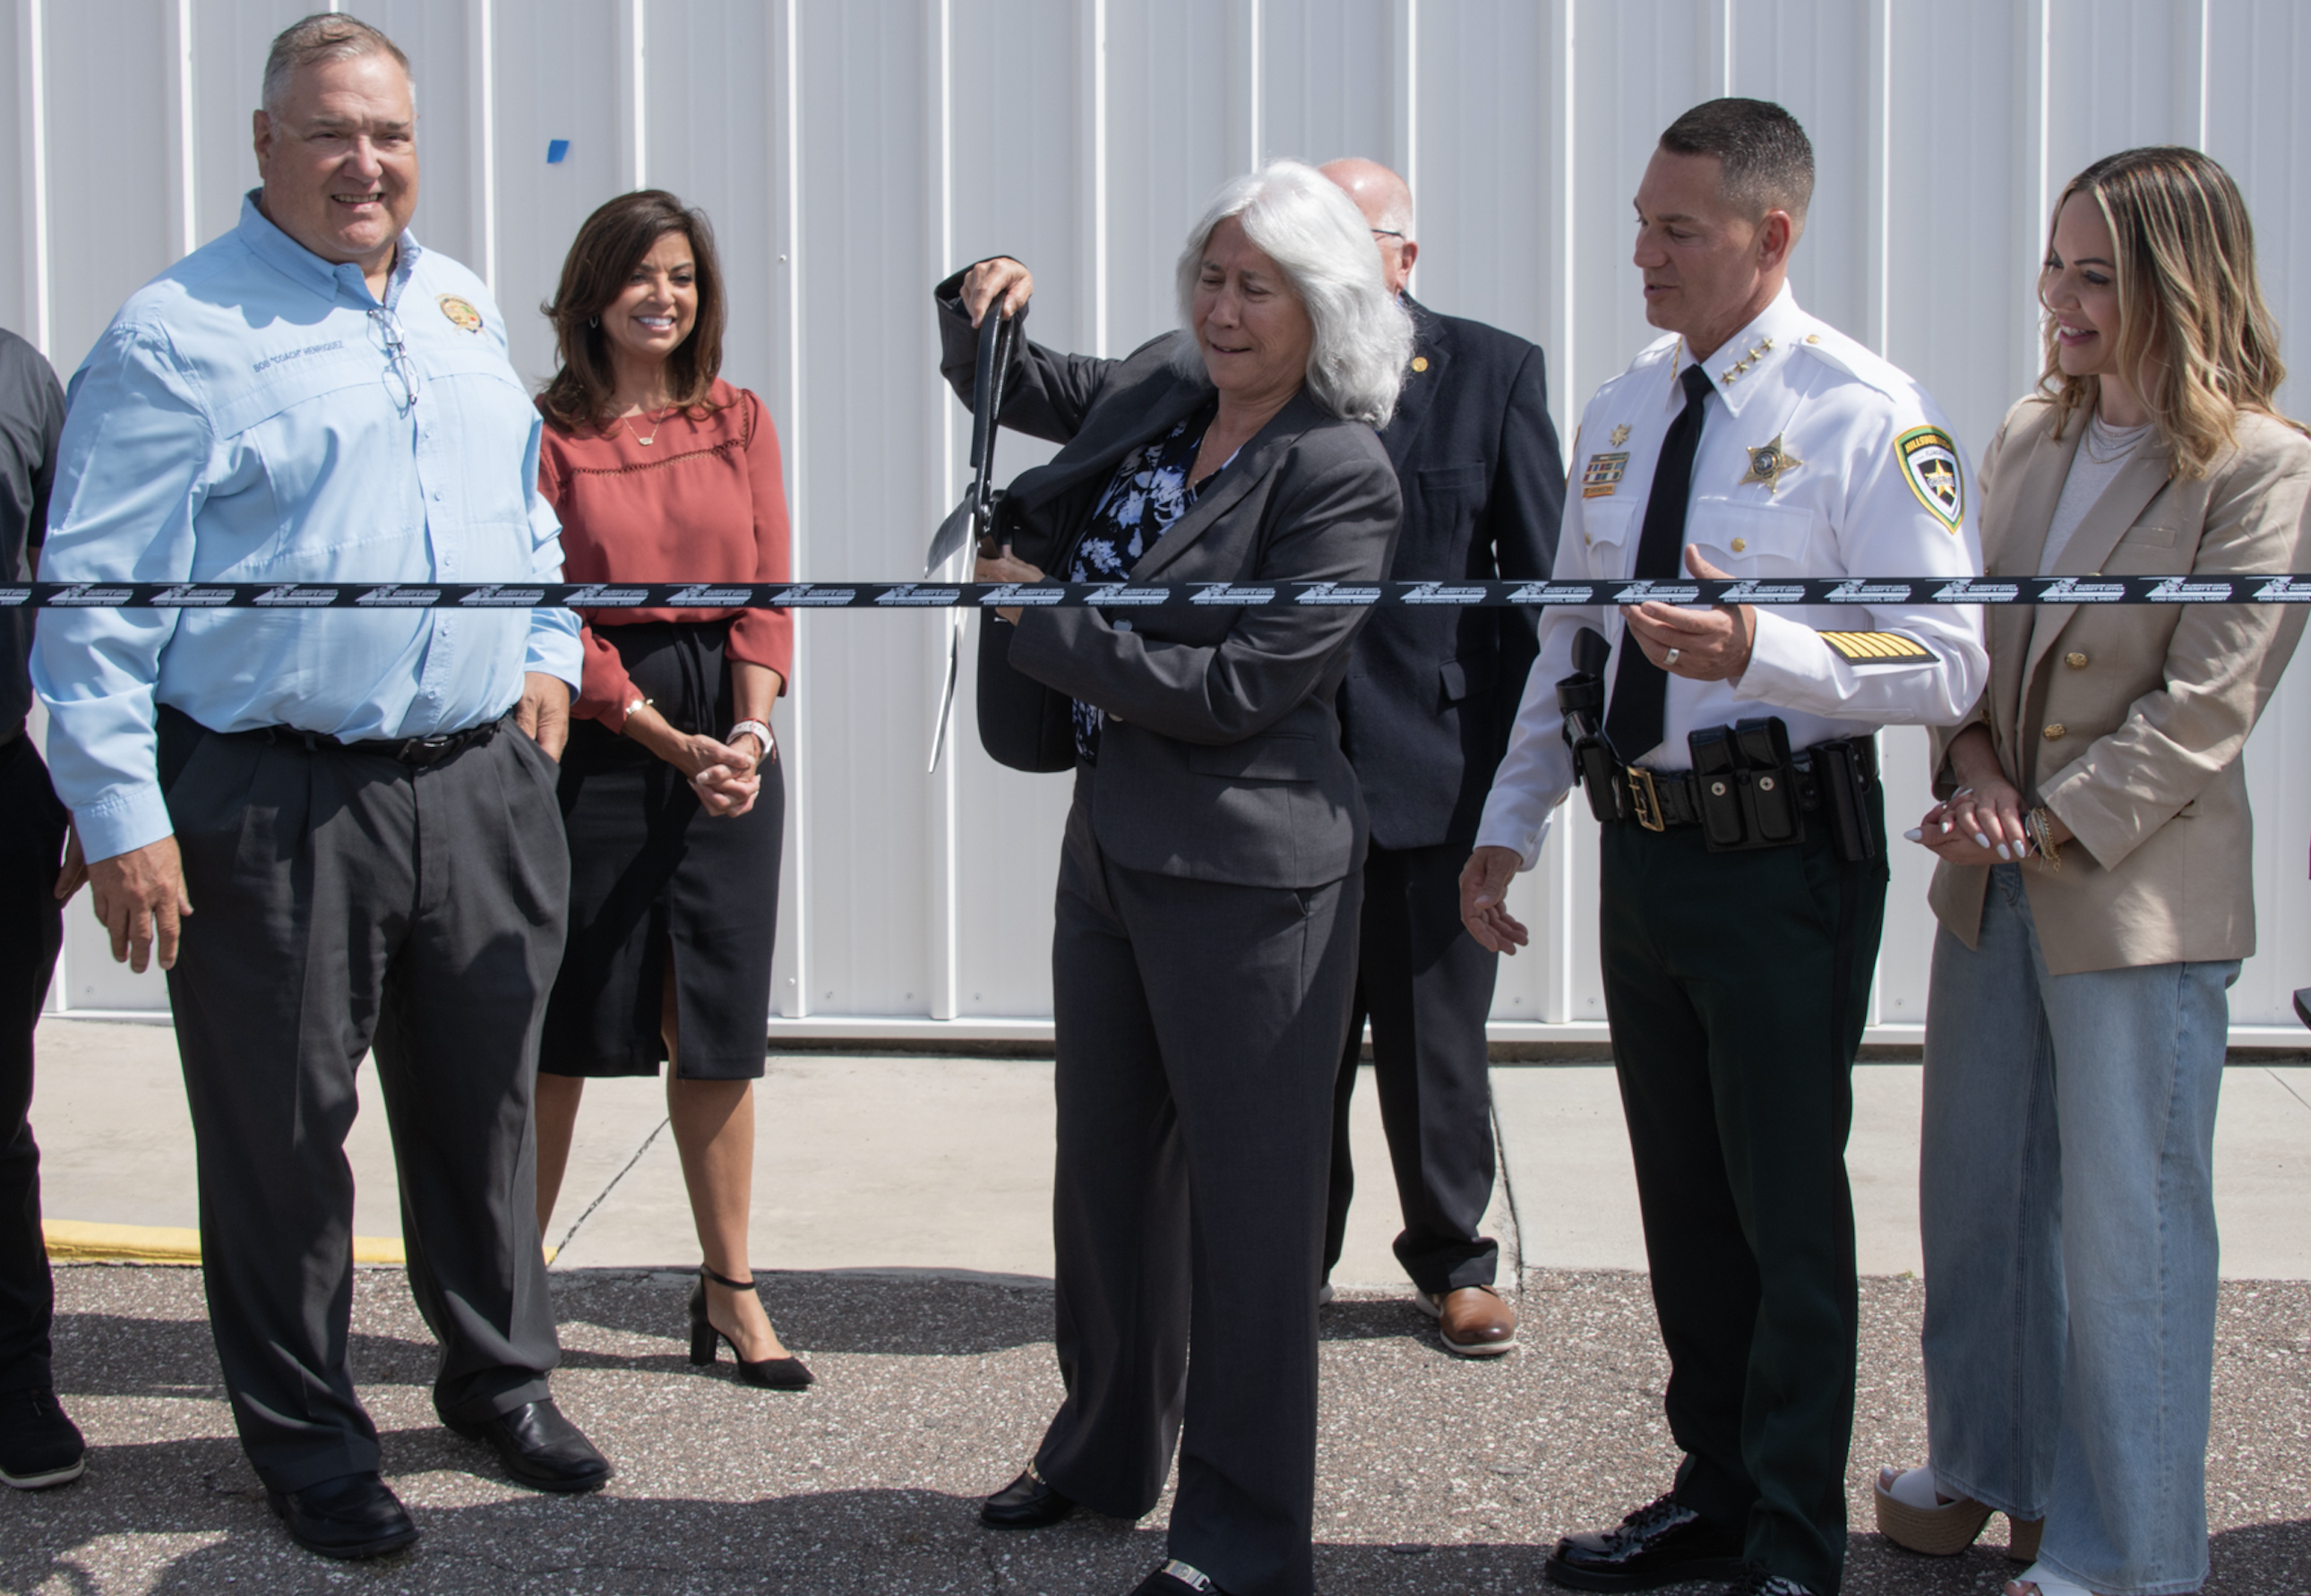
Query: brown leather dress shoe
point(1474, 1322)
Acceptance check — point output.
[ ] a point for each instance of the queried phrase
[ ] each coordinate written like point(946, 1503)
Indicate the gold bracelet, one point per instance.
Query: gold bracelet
point(2041, 822)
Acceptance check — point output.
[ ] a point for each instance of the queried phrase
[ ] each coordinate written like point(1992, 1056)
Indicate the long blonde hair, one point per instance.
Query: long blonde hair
point(2195, 341)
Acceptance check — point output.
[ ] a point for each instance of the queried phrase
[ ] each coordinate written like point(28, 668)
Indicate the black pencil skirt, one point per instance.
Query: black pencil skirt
point(653, 877)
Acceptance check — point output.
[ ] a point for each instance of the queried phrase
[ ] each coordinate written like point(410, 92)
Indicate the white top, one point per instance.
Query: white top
point(1871, 485)
point(2102, 454)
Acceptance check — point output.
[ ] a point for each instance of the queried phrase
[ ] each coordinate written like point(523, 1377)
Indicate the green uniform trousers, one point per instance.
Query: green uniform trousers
point(1737, 985)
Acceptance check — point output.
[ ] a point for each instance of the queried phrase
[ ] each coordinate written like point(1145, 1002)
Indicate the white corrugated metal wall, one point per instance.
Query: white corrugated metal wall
point(852, 151)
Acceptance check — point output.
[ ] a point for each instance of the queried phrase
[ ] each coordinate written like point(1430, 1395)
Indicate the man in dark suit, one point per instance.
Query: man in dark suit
point(38, 1445)
point(1425, 715)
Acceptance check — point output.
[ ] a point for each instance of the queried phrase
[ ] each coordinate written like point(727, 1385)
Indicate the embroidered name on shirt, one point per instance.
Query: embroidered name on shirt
point(1602, 475)
point(297, 355)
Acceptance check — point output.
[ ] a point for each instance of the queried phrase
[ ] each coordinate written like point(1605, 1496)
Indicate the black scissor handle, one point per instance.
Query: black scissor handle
point(996, 334)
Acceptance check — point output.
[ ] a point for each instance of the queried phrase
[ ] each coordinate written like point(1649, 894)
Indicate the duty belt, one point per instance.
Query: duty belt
point(1741, 800)
point(1660, 799)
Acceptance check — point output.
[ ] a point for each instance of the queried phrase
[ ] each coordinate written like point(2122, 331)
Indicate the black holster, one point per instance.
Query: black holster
point(1580, 700)
point(1844, 775)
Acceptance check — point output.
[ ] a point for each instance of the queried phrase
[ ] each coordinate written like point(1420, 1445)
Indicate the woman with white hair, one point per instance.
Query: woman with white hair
point(1209, 876)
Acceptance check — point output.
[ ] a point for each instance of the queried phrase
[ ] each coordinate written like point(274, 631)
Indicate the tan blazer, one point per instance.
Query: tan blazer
point(2127, 720)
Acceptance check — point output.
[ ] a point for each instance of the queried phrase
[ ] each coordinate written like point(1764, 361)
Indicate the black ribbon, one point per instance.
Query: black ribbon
point(1771, 592)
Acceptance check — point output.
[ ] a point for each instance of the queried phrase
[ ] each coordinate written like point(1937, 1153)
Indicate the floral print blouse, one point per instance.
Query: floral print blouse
point(1149, 491)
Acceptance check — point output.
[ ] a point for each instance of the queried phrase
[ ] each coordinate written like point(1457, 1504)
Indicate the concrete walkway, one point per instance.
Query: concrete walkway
point(915, 1163)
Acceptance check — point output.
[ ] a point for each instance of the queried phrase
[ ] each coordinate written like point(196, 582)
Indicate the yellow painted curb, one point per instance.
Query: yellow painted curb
point(71, 1242)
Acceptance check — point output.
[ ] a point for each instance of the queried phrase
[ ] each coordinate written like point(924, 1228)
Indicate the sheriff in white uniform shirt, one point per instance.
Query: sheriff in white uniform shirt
point(1742, 861)
point(1818, 457)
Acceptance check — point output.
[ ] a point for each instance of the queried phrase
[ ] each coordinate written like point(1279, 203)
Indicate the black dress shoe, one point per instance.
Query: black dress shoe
point(40, 1446)
point(1759, 1582)
point(2303, 1004)
point(540, 1448)
point(1660, 1544)
point(353, 1515)
point(1176, 1578)
point(1027, 1503)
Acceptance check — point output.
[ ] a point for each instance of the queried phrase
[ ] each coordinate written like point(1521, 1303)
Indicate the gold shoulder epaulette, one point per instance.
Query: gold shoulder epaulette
point(1878, 648)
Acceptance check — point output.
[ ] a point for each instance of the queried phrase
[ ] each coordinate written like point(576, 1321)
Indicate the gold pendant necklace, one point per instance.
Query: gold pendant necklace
point(662, 420)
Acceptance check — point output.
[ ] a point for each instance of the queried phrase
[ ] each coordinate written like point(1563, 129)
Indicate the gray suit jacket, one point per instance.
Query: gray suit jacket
point(1221, 756)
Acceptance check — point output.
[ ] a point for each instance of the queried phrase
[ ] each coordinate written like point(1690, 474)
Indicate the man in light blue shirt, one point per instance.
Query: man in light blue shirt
point(359, 804)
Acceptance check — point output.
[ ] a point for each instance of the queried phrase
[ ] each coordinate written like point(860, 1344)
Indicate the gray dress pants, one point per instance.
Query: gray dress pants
point(1428, 987)
point(344, 901)
point(1200, 1027)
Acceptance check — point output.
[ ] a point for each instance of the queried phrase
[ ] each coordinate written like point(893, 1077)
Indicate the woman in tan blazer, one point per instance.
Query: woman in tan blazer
point(2095, 901)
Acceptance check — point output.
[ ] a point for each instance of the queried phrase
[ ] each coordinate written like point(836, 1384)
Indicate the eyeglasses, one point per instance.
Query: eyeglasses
point(400, 376)
point(1385, 232)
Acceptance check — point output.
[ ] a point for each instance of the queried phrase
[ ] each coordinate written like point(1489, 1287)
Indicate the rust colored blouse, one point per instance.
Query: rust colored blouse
point(703, 502)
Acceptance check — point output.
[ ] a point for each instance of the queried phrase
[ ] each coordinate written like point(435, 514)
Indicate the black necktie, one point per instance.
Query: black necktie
point(1640, 687)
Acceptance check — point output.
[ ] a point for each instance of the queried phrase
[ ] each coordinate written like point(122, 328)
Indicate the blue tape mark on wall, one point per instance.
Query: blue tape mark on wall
point(555, 149)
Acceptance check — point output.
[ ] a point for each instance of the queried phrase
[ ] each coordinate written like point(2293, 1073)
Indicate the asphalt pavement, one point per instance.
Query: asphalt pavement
point(901, 1234)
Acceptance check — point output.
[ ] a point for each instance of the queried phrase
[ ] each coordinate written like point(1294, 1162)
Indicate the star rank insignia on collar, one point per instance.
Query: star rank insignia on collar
point(1758, 351)
point(1770, 464)
point(1620, 434)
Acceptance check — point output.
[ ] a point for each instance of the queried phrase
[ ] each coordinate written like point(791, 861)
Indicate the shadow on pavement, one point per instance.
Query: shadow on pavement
point(894, 1315)
point(1436, 1474)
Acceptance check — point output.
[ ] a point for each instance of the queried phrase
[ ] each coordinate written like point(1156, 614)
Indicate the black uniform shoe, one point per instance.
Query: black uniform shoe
point(1758, 1582)
point(1176, 1578)
point(39, 1445)
point(353, 1515)
point(2303, 1004)
point(1027, 1503)
point(540, 1448)
point(1659, 1544)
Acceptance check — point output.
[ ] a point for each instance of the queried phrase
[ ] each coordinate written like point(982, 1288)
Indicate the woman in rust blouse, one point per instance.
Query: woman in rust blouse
point(670, 786)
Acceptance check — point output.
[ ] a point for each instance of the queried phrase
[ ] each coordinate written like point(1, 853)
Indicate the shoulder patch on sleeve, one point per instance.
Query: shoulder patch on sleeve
point(1877, 648)
point(1930, 465)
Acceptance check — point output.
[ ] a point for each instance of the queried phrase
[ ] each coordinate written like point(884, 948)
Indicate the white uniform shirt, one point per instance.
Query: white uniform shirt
point(1868, 482)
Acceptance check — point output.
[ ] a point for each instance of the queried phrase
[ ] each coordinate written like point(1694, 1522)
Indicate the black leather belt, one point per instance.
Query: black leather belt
point(411, 751)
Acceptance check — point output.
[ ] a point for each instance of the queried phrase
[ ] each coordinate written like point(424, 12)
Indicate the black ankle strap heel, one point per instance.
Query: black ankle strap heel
point(770, 1373)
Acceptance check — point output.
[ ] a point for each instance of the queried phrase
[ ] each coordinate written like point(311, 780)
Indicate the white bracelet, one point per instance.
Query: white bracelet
point(762, 731)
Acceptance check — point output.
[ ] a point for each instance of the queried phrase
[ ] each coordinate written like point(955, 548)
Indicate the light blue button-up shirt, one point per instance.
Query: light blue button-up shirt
point(254, 414)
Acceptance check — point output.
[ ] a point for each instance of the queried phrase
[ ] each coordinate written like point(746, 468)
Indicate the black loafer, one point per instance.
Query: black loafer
point(353, 1515)
point(39, 1445)
point(1660, 1544)
point(540, 1448)
point(1027, 1503)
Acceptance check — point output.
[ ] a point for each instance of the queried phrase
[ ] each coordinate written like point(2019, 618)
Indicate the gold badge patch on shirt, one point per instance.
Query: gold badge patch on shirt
point(461, 312)
point(1602, 475)
point(1930, 465)
point(1620, 435)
